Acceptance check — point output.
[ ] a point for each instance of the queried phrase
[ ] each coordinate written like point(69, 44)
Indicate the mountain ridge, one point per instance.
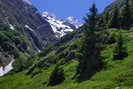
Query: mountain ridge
point(61, 27)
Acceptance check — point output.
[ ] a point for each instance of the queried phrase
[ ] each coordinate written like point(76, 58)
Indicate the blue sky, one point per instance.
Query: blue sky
point(66, 8)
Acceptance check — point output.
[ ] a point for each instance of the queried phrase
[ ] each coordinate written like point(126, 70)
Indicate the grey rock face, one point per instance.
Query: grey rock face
point(17, 12)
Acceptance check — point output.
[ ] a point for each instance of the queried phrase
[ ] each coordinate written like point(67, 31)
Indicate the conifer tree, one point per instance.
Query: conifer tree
point(90, 59)
point(100, 23)
point(57, 76)
point(126, 17)
point(114, 21)
point(106, 19)
point(120, 51)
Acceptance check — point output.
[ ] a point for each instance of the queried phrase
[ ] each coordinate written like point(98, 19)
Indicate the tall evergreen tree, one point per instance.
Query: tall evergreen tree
point(100, 23)
point(126, 17)
point(90, 60)
point(57, 76)
point(120, 51)
point(106, 19)
point(114, 21)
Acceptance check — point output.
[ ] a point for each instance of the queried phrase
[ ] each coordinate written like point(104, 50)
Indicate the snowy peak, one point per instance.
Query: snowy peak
point(61, 27)
point(48, 15)
point(73, 21)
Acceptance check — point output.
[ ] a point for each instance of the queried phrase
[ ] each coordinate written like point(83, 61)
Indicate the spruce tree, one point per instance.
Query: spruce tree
point(120, 51)
point(100, 24)
point(126, 17)
point(56, 77)
point(114, 21)
point(90, 59)
point(106, 20)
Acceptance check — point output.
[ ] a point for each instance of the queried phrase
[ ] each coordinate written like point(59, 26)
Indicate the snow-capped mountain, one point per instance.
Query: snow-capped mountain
point(73, 21)
point(61, 27)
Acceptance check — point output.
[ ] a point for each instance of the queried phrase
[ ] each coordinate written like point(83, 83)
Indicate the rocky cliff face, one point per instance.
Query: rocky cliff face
point(20, 20)
point(19, 13)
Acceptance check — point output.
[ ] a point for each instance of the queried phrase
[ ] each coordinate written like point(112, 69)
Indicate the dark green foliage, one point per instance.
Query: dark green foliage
point(126, 19)
point(4, 26)
point(20, 63)
point(6, 40)
point(46, 51)
point(31, 69)
point(14, 44)
point(120, 51)
point(100, 23)
point(57, 76)
point(120, 14)
point(115, 19)
point(90, 59)
point(10, 40)
point(106, 19)
point(111, 39)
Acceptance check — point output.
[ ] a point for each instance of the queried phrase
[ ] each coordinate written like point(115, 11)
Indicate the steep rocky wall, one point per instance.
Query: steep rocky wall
point(17, 12)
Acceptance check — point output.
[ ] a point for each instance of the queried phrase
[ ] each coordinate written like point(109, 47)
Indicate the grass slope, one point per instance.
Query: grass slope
point(115, 74)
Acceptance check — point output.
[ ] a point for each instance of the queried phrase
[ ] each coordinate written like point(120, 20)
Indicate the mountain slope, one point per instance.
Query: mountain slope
point(118, 3)
point(116, 74)
point(62, 59)
point(19, 14)
point(20, 21)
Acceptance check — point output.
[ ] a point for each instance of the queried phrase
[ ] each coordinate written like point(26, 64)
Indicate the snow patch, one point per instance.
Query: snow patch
point(73, 21)
point(29, 28)
point(6, 69)
point(11, 27)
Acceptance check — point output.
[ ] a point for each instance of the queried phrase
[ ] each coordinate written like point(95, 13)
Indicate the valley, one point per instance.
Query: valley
point(42, 51)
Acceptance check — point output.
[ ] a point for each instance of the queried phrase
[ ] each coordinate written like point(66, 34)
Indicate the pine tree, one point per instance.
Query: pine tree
point(114, 21)
point(90, 59)
point(100, 24)
point(126, 17)
point(106, 19)
point(57, 76)
point(120, 51)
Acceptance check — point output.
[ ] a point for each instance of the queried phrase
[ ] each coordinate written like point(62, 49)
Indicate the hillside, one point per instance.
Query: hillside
point(20, 14)
point(48, 53)
point(115, 74)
